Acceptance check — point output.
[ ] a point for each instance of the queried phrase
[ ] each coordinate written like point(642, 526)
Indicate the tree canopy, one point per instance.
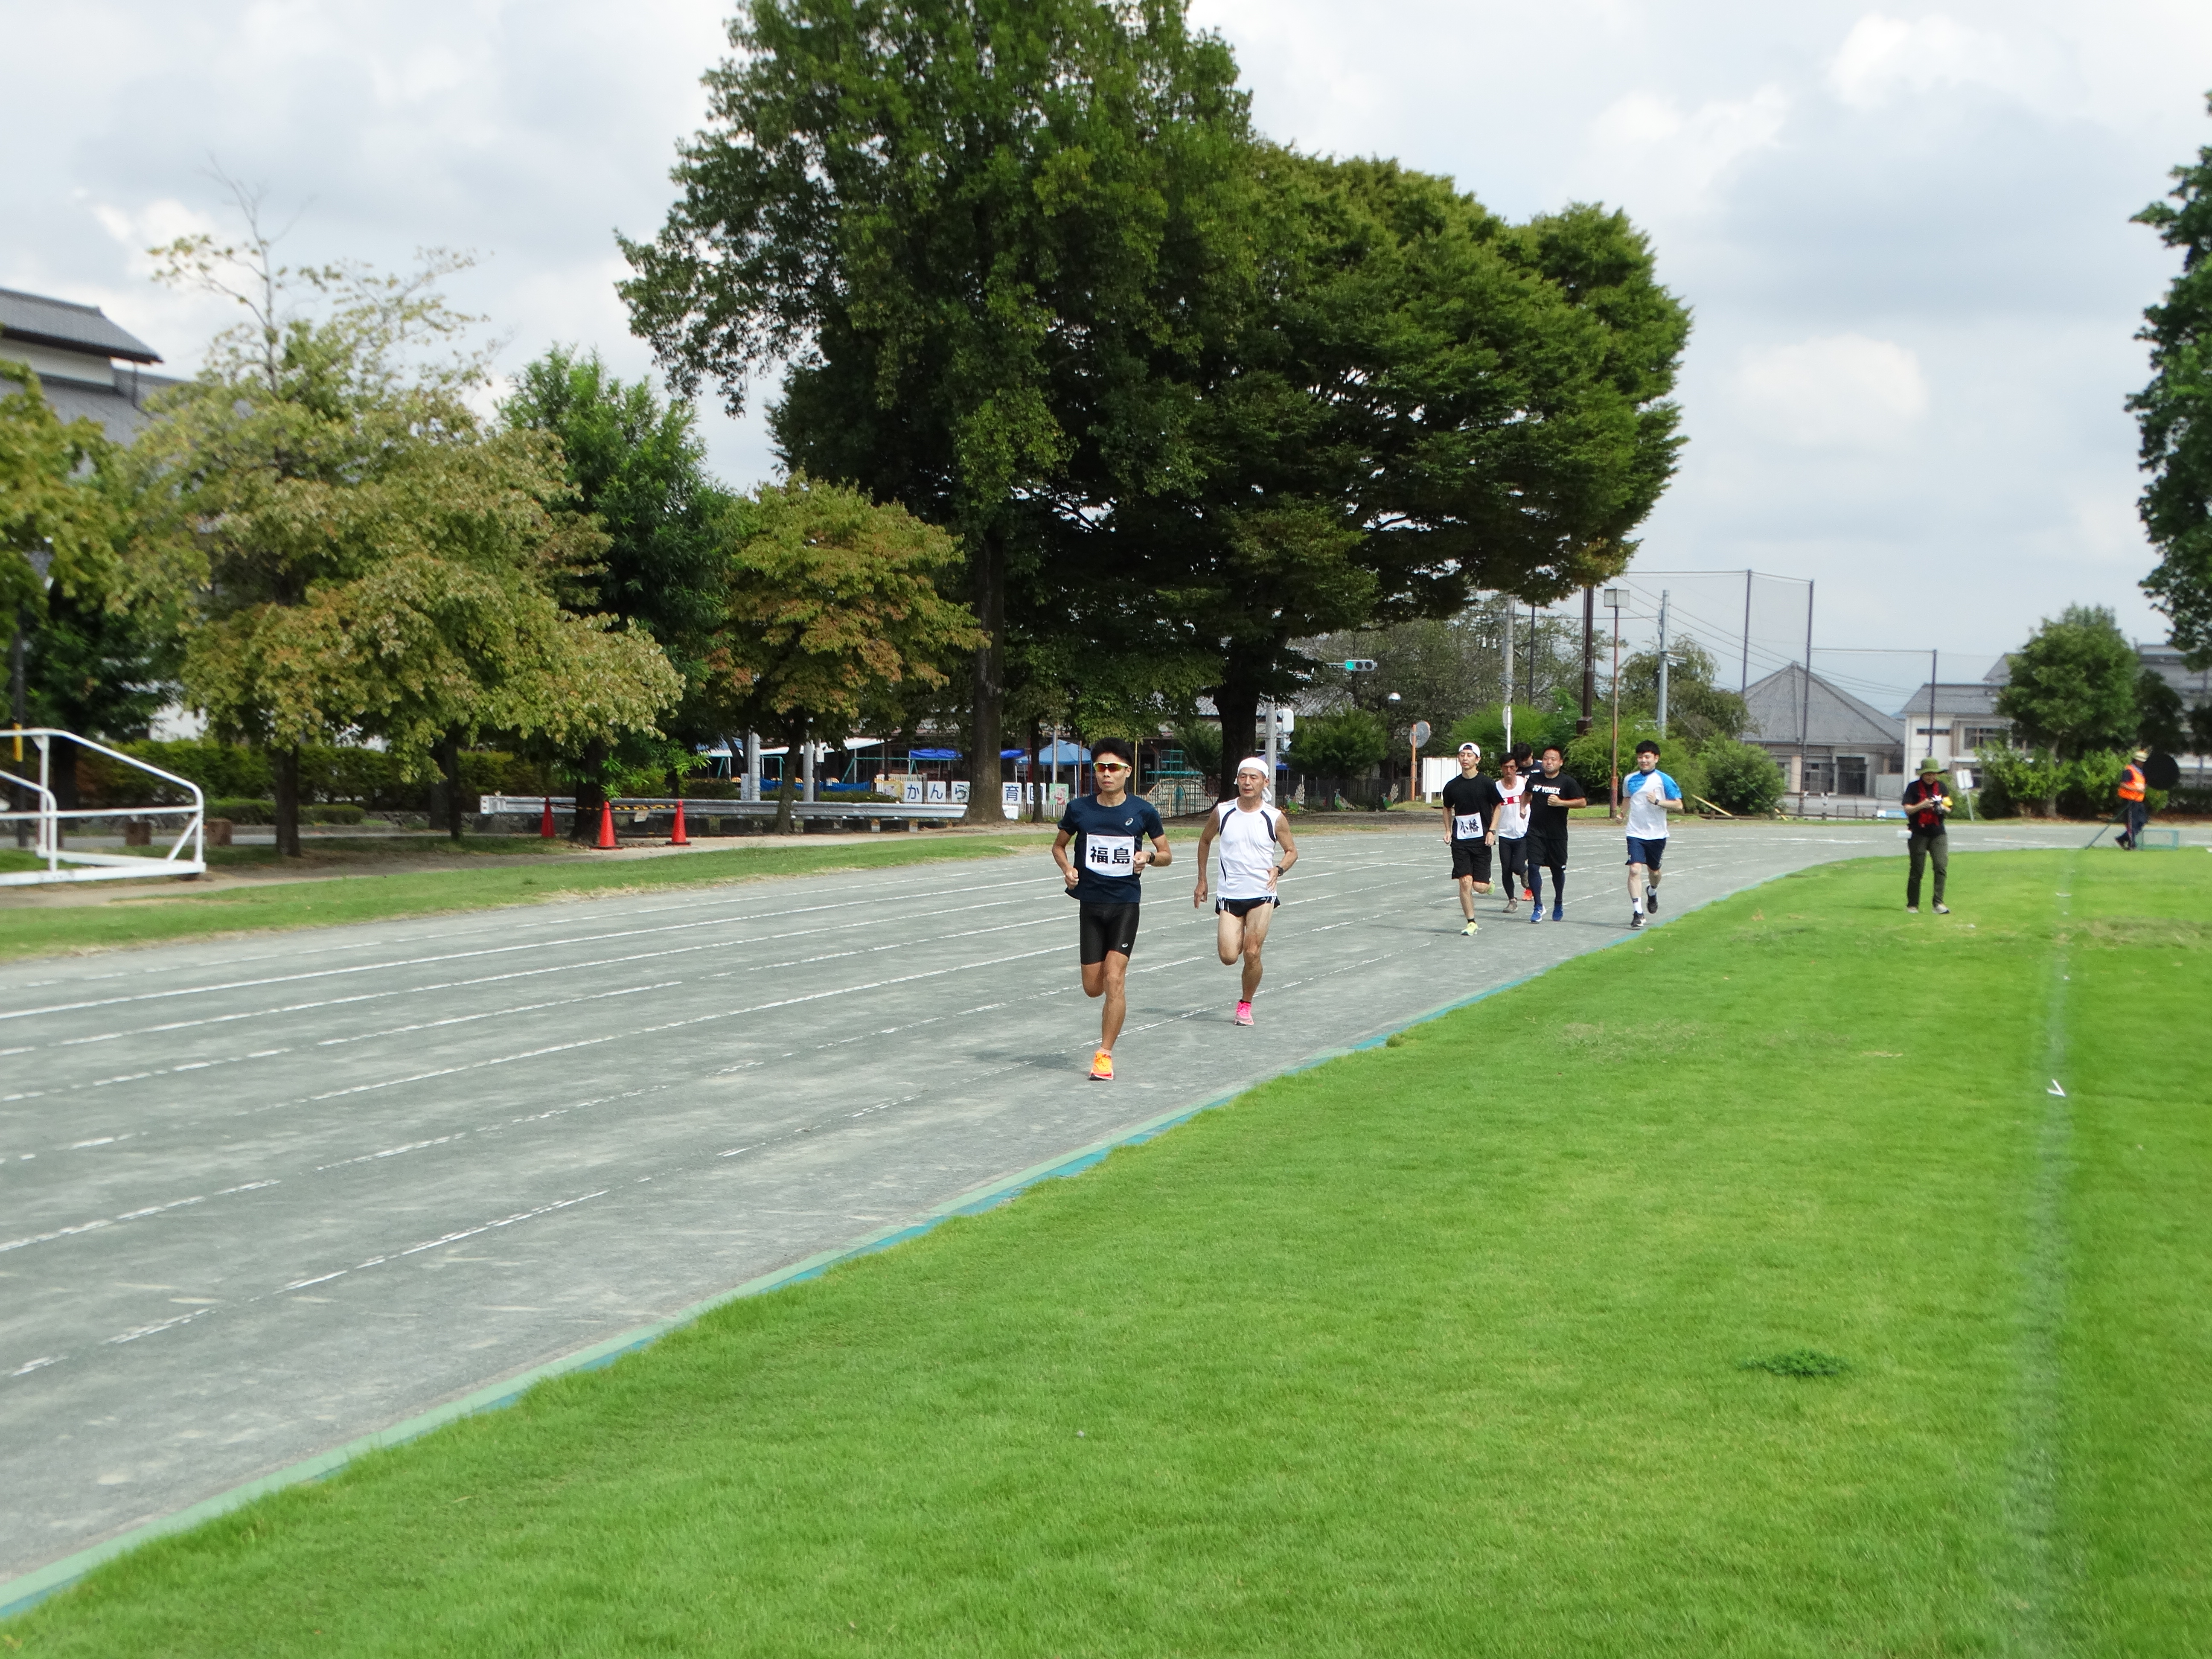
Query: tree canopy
point(2174, 415)
point(2073, 685)
point(353, 551)
point(966, 224)
point(635, 466)
point(830, 614)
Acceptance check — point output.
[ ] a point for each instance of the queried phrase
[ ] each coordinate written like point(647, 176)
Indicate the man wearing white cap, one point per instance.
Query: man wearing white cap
point(1256, 849)
point(1471, 803)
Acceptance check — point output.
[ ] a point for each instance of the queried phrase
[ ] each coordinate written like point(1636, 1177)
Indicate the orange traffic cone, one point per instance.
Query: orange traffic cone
point(679, 839)
point(545, 823)
point(606, 825)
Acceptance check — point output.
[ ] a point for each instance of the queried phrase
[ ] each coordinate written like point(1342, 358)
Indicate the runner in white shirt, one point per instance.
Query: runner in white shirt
point(1513, 825)
point(1256, 848)
point(1650, 795)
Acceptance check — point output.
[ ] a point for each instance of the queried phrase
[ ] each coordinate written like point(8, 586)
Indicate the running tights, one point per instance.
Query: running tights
point(1536, 883)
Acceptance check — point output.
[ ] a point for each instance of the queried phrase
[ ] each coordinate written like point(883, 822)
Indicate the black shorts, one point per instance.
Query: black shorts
point(1547, 854)
point(1243, 907)
point(1471, 858)
point(1103, 927)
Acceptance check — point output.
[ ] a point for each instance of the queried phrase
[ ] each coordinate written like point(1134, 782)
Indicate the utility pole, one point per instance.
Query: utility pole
point(1274, 736)
point(1743, 684)
point(808, 757)
point(1663, 662)
point(1805, 706)
point(1613, 596)
point(1589, 660)
point(1509, 676)
point(1931, 705)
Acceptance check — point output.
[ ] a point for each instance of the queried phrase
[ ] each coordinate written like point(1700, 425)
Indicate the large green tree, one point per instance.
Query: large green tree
point(830, 616)
point(82, 665)
point(1410, 401)
point(2072, 688)
point(638, 468)
point(970, 226)
point(354, 551)
point(2174, 414)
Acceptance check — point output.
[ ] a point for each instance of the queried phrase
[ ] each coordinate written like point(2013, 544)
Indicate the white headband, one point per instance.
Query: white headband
point(1253, 763)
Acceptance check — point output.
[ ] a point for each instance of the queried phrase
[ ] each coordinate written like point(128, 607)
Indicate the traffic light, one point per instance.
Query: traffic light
point(1357, 664)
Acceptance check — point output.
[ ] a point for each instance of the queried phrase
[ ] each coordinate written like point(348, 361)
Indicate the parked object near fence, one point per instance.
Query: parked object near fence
point(48, 821)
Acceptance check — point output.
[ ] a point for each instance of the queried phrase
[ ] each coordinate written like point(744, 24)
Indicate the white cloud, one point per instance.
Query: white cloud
point(1661, 153)
point(1884, 58)
point(1841, 391)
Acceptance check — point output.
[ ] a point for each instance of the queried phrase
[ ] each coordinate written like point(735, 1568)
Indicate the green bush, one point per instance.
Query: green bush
point(339, 814)
point(367, 778)
point(1341, 745)
point(243, 811)
point(2038, 782)
point(1741, 778)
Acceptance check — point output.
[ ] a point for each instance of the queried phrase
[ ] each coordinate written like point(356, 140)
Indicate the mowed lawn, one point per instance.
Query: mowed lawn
point(1440, 1348)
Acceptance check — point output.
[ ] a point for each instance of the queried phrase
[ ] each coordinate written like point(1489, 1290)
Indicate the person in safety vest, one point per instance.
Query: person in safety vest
point(1927, 804)
point(2133, 787)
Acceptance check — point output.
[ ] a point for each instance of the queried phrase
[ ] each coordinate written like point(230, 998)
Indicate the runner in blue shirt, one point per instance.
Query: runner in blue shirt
point(1650, 796)
point(1109, 829)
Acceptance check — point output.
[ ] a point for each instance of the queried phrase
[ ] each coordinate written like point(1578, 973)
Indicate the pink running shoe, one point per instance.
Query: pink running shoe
point(1244, 1013)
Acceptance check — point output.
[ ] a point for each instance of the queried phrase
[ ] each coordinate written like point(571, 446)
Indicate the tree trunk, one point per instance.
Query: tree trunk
point(447, 752)
point(986, 732)
point(1589, 660)
point(787, 822)
point(590, 795)
point(1237, 701)
point(284, 779)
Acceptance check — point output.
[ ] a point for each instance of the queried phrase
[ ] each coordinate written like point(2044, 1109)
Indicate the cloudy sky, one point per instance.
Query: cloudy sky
point(1903, 232)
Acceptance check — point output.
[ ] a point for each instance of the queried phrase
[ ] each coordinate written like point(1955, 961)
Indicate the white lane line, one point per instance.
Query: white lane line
point(597, 964)
point(393, 1151)
point(421, 962)
point(670, 1026)
point(453, 1237)
point(161, 1325)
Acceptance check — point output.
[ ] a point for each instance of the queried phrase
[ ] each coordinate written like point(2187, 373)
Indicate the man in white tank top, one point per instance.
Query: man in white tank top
point(1256, 848)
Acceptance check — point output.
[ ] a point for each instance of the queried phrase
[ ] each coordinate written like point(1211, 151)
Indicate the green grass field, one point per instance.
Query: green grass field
point(1487, 1342)
point(512, 875)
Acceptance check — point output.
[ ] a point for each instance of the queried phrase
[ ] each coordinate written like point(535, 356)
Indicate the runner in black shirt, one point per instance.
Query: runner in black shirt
point(1471, 803)
point(1553, 793)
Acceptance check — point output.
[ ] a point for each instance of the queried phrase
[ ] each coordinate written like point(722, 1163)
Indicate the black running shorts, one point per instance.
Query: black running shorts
point(1243, 907)
point(1103, 927)
point(1471, 858)
point(1547, 854)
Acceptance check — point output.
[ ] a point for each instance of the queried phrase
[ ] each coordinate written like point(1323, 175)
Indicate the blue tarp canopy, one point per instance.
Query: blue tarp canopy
point(933, 754)
point(1063, 753)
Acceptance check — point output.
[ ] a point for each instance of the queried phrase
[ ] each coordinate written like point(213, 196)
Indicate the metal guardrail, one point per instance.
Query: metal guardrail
point(47, 819)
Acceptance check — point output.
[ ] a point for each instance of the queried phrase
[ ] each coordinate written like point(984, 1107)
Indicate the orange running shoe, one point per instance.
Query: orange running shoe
point(1101, 1066)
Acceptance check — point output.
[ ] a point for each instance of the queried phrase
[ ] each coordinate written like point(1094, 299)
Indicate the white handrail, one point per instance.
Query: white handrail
point(99, 867)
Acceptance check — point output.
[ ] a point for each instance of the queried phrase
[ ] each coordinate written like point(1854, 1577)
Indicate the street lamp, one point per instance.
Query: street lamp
point(1614, 599)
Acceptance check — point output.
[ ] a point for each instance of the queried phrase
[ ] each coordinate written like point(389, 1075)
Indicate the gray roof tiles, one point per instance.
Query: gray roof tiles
point(1976, 700)
point(68, 325)
point(1835, 719)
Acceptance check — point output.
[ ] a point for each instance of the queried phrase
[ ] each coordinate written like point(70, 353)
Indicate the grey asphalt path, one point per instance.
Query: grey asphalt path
point(262, 1196)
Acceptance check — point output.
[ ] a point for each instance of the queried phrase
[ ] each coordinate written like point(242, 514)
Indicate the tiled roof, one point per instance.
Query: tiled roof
point(1834, 720)
point(72, 327)
point(1977, 700)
